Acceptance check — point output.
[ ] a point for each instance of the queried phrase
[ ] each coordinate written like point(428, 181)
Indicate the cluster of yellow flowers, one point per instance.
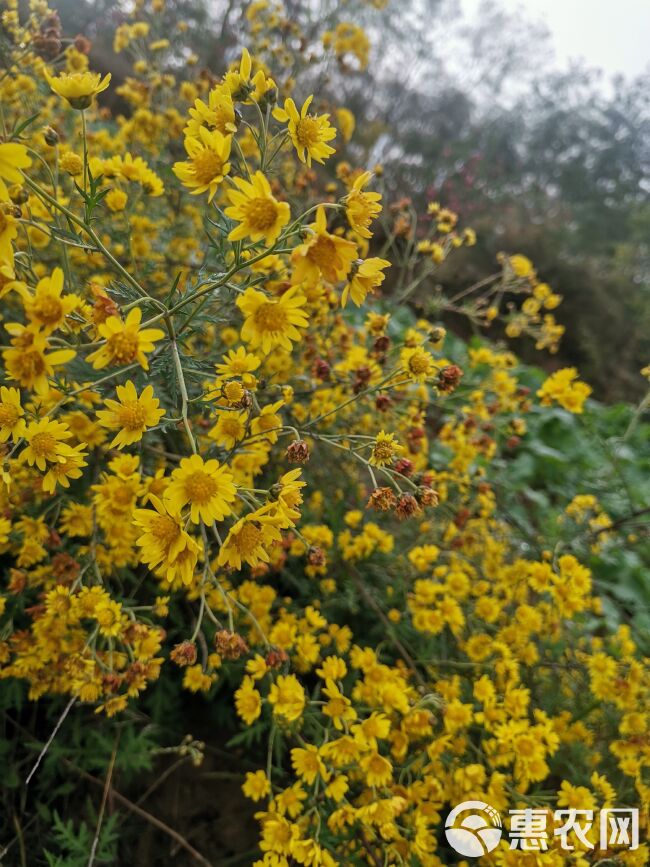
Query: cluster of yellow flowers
point(197, 415)
point(564, 388)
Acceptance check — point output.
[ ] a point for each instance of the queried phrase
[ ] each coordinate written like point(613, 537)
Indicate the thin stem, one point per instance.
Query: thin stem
point(479, 285)
point(85, 146)
point(42, 753)
point(199, 619)
point(183, 389)
point(21, 842)
point(102, 808)
point(634, 421)
point(384, 383)
point(269, 753)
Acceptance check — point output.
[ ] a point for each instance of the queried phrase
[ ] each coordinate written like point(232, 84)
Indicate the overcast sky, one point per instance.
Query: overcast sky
point(611, 34)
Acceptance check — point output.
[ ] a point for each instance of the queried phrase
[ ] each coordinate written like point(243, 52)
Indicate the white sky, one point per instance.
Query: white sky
point(611, 34)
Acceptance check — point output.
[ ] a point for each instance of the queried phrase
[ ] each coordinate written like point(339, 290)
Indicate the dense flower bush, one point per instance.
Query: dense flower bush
point(233, 457)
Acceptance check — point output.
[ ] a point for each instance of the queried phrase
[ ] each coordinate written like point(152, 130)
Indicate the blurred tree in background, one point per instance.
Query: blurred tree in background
point(473, 117)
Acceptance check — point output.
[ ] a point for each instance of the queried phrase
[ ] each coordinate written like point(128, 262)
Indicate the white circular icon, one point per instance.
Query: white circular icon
point(476, 834)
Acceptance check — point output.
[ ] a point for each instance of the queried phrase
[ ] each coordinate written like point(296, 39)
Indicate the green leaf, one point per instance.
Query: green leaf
point(23, 126)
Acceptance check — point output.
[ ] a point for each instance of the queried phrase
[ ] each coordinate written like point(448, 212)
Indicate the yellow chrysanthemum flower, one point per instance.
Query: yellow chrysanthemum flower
point(378, 770)
point(13, 158)
point(239, 363)
point(134, 170)
point(166, 546)
point(46, 308)
point(242, 87)
point(289, 497)
point(44, 439)
point(8, 231)
point(116, 200)
point(268, 423)
point(71, 163)
point(272, 322)
point(230, 428)
point(125, 342)
point(287, 697)
point(12, 423)
point(206, 486)
point(346, 122)
point(71, 460)
point(219, 113)
point(367, 277)
point(79, 88)
point(384, 449)
point(309, 132)
point(248, 701)
point(418, 363)
point(250, 539)
point(237, 80)
point(109, 617)
point(322, 254)
point(28, 361)
point(207, 162)
point(259, 214)
point(361, 207)
point(130, 414)
point(308, 764)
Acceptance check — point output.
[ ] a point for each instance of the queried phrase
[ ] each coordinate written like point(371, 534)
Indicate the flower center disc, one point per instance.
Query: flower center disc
point(270, 317)
point(123, 347)
point(261, 213)
point(207, 166)
point(200, 488)
point(132, 415)
point(307, 131)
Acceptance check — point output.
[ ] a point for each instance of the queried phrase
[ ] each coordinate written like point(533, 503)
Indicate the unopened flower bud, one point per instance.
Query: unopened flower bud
point(270, 98)
point(316, 556)
point(51, 136)
point(18, 194)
